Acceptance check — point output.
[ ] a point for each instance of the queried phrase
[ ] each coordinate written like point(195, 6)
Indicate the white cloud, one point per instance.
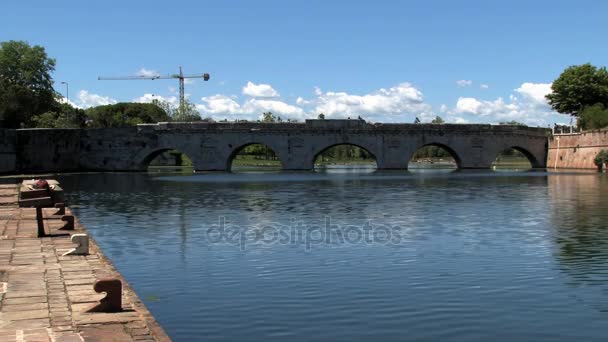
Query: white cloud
point(399, 103)
point(147, 98)
point(484, 86)
point(86, 100)
point(531, 108)
point(259, 90)
point(277, 107)
point(390, 105)
point(443, 108)
point(464, 83)
point(468, 105)
point(252, 109)
point(219, 104)
point(300, 101)
point(458, 120)
point(535, 91)
point(147, 73)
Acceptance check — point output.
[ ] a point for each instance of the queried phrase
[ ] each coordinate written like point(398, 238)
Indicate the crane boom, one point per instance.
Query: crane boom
point(179, 76)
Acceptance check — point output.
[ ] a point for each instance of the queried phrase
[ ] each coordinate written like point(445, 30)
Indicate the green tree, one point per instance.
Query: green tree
point(321, 116)
point(26, 85)
point(593, 117)
point(186, 114)
point(577, 87)
point(600, 159)
point(437, 120)
point(125, 114)
point(268, 117)
point(62, 115)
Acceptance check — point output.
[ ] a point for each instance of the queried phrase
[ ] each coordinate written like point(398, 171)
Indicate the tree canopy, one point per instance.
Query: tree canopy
point(593, 117)
point(125, 114)
point(579, 86)
point(61, 115)
point(437, 120)
point(187, 113)
point(26, 85)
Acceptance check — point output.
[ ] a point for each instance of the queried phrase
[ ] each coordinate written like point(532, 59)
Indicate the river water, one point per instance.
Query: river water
point(369, 256)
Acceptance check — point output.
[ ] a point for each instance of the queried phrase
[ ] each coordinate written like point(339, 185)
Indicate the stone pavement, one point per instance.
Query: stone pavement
point(44, 295)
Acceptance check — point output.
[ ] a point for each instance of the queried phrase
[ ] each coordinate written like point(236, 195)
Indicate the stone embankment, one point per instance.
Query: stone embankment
point(47, 296)
point(576, 150)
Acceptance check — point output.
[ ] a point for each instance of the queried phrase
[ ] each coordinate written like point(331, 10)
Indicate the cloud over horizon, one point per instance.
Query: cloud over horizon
point(400, 103)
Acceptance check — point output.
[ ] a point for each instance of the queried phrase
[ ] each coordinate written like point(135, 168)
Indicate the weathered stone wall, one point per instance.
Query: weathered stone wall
point(8, 151)
point(577, 150)
point(212, 146)
point(48, 150)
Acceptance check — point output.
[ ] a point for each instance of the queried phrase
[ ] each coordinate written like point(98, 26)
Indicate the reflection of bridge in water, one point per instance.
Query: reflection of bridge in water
point(212, 146)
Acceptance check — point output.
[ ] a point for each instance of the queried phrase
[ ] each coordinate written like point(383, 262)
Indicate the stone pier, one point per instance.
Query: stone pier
point(44, 295)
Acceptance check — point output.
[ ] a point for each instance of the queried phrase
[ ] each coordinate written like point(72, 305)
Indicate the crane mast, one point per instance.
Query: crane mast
point(180, 77)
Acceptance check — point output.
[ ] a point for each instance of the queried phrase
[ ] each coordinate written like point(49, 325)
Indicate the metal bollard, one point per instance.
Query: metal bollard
point(112, 302)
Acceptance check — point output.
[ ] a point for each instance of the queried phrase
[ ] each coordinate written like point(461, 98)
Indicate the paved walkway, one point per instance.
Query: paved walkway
point(44, 295)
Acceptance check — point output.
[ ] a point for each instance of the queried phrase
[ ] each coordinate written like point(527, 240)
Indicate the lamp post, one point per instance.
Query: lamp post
point(67, 97)
point(67, 91)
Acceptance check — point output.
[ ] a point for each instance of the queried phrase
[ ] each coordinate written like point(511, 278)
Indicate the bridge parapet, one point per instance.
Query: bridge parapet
point(341, 125)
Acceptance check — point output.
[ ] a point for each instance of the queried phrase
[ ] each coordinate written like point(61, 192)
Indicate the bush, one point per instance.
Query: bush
point(594, 117)
point(600, 159)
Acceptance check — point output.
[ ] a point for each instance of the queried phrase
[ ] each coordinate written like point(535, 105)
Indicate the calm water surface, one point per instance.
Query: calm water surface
point(447, 256)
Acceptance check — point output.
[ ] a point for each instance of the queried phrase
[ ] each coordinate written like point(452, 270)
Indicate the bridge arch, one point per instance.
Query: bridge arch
point(366, 151)
point(448, 149)
point(273, 152)
point(149, 156)
point(534, 162)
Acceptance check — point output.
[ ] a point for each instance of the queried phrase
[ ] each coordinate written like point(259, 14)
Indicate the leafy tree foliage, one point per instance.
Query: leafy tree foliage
point(125, 114)
point(258, 151)
point(188, 113)
point(341, 153)
point(268, 117)
point(26, 85)
point(600, 159)
point(437, 120)
point(593, 117)
point(62, 115)
point(321, 116)
point(431, 151)
point(579, 86)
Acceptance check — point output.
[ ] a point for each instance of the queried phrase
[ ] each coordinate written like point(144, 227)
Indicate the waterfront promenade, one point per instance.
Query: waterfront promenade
point(44, 295)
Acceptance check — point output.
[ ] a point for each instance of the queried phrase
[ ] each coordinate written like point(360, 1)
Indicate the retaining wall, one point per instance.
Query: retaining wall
point(577, 150)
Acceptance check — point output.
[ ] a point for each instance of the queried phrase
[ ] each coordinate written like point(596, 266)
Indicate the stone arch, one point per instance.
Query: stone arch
point(450, 150)
point(239, 148)
point(531, 158)
point(320, 151)
point(148, 156)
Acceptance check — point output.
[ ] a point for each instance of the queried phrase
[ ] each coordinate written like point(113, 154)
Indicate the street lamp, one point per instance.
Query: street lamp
point(67, 91)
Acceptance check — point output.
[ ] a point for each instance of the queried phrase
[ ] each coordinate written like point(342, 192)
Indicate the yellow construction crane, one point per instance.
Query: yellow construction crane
point(179, 76)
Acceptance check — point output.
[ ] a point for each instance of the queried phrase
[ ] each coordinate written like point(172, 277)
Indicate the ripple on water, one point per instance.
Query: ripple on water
point(480, 256)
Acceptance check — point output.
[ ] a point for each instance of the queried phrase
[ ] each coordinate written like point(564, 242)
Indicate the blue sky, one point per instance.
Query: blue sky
point(467, 61)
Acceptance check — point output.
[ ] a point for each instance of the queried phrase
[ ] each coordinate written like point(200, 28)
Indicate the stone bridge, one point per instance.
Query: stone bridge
point(212, 146)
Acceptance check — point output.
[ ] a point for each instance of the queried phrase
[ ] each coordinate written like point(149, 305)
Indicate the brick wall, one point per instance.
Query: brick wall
point(576, 151)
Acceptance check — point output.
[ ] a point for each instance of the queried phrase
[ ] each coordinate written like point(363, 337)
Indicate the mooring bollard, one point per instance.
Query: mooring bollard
point(40, 222)
point(69, 222)
point(82, 242)
point(60, 209)
point(112, 302)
